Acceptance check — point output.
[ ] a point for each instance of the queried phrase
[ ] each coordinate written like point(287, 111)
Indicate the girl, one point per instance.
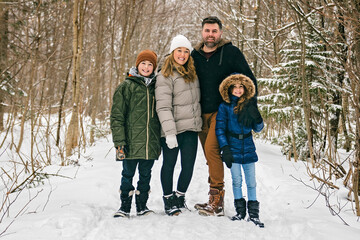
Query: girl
point(136, 132)
point(236, 118)
point(178, 106)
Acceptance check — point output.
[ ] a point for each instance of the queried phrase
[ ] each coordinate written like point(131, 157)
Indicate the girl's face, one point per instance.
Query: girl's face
point(238, 90)
point(145, 68)
point(181, 55)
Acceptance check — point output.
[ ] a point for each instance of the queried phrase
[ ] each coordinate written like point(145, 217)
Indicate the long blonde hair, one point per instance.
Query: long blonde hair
point(187, 71)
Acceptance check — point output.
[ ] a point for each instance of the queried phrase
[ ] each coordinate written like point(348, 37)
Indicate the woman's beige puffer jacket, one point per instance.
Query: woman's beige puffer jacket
point(177, 104)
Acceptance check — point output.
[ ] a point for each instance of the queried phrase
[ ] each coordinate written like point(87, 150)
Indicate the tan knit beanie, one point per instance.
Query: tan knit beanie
point(146, 55)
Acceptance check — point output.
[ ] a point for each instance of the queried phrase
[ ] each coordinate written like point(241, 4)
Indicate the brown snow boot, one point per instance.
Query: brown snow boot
point(215, 206)
point(200, 206)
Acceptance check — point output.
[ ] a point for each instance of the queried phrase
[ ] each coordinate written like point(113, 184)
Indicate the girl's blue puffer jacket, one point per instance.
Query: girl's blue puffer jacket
point(243, 150)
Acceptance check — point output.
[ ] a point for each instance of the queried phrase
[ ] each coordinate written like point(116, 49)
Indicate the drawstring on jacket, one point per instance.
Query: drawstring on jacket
point(221, 56)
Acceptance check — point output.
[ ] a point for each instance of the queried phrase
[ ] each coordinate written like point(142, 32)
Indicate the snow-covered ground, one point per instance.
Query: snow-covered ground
point(81, 206)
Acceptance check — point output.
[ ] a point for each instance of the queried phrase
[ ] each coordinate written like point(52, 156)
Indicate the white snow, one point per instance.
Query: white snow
point(81, 206)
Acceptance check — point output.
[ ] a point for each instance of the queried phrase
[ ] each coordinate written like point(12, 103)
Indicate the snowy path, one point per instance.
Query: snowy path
point(82, 208)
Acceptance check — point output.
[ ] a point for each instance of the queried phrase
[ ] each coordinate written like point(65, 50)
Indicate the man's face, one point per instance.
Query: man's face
point(211, 34)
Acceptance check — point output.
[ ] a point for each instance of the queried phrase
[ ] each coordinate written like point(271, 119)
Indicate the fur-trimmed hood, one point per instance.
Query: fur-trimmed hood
point(237, 79)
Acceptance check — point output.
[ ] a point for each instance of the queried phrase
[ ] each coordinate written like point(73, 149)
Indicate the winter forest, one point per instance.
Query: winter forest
point(61, 60)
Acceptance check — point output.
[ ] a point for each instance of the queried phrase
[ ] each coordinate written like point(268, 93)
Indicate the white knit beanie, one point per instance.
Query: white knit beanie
point(180, 41)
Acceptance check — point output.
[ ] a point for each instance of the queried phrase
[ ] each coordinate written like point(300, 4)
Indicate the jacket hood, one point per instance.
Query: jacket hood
point(221, 43)
point(237, 79)
point(135, 73)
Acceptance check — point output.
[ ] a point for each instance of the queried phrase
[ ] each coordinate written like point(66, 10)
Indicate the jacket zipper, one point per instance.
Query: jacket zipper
point(153, 106)
point(147, 124)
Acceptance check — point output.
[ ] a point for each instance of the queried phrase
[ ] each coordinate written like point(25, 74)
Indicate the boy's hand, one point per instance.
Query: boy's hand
point(120, 153)
point(227, 156)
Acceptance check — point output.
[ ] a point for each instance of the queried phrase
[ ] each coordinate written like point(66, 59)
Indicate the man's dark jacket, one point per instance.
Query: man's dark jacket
point(227, 59)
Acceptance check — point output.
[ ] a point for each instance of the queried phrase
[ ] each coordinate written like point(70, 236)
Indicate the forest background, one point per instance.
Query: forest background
point(60, 62)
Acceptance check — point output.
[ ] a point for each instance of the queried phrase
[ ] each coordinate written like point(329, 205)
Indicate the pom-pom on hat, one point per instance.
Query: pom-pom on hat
point(146, 55)
point(180, 41)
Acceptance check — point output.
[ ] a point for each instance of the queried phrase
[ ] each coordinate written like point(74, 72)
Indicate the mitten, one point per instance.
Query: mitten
point(171, 141)
point(227, 156)
point(254, 113)
point(250, 114)
point(120, 153)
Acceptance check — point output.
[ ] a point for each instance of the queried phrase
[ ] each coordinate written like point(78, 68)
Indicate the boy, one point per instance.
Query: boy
point(136, 132)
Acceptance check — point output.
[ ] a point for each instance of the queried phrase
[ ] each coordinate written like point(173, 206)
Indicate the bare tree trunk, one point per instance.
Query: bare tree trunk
point(73, 132)
point(133, 11)
point(356, 91)
point(96, 81)
point(305, 95)
point(341, 76)
point(112, 56)
point(256, 36)
point(3, 58)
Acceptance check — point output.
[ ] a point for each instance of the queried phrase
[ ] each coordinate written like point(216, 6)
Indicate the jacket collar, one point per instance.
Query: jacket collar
point(147, 80)
point(222, 42)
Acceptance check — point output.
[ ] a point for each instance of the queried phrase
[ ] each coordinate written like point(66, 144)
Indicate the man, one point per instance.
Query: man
point(215, 59)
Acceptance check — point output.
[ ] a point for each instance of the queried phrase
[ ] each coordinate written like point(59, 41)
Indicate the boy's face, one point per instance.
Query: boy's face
point(145, 68)
point(238, 90)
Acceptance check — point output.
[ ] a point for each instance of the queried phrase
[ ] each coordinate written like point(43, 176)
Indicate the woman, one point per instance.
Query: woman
point(177, 95)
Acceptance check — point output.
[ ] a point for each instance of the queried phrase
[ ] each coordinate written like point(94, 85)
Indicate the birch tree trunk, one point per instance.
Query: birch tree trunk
point(73, 131)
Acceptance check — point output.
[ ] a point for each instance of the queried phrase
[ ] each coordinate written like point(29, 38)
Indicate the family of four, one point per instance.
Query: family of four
point(206, 93)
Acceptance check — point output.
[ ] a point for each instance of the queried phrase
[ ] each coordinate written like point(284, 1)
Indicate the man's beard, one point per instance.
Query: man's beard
point(211, 44)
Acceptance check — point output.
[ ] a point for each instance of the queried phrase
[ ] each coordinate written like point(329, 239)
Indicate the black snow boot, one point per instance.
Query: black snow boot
point(240, 207)
point(125, 208)
point(253, 210)
point(141, 200)
point(181, 203)
point(171, 205)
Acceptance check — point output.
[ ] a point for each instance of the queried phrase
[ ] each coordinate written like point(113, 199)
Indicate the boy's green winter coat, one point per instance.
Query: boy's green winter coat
point(134, 122)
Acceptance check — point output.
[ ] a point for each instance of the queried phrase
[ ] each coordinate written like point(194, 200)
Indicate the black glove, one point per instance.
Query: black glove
point(250, 114)
point(227, 156)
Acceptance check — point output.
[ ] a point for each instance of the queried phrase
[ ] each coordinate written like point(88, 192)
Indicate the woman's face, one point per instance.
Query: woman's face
point(181, 55)
point(145, 68)
point(238, 90)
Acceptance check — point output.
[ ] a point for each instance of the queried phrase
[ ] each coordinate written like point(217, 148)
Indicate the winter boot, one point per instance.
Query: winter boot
point(171, 203)
point(200, 206)
point(253, 210)
point(240, 207)
point(181, 204)
point(125, 208)
point(141, 200)
point(216, 204)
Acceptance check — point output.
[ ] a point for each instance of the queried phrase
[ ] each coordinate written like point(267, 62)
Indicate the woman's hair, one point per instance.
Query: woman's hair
point(187, 71)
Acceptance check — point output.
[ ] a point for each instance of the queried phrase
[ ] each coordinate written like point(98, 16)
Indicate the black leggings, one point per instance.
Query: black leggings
point(188, 142)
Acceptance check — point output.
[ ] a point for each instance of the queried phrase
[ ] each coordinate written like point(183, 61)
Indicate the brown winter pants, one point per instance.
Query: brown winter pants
point(211, 150)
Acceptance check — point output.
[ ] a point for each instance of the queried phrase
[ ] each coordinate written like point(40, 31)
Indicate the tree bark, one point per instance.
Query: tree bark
point(3, 58)
point(73, 132)
point(97, 79)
